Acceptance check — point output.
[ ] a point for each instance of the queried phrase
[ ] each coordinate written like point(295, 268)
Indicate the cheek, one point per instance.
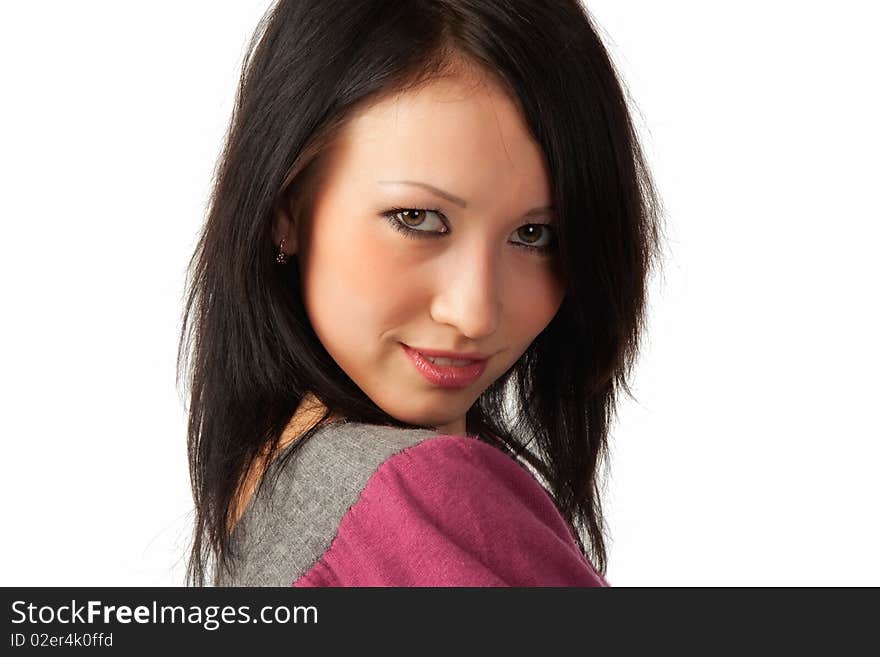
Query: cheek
point(533, 302)
point(354, 285)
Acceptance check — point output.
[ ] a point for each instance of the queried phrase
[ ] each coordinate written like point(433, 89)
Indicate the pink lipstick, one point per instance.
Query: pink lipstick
point(445, 375)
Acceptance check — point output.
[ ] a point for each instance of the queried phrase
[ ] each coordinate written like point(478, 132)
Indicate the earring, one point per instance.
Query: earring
point(282, 257)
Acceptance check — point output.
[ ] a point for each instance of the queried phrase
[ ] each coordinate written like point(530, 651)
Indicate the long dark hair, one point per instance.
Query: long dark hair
point(247, 350)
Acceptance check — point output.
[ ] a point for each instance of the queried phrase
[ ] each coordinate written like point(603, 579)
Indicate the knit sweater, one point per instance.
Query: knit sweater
point(367, 505)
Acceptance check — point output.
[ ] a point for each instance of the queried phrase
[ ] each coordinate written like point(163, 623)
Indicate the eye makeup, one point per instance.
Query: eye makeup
point(393, 216)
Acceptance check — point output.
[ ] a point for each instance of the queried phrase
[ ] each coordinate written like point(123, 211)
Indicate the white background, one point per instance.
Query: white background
point(750, 457)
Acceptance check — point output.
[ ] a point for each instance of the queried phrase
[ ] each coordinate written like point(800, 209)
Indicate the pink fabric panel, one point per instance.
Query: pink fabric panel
point(452, 511)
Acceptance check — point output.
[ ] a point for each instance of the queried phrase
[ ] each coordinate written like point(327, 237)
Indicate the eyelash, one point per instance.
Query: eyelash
point(396, 224)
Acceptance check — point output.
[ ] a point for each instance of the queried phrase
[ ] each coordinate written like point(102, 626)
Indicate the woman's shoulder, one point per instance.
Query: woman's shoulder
point(353, 453)
point(355, 448)
point(452, 511)
point(306, 491)
point(368, 505)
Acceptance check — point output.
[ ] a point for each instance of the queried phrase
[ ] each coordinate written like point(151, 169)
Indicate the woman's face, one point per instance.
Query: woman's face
point(464, 280)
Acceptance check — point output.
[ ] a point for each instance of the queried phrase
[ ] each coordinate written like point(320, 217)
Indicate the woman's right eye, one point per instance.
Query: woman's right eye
point(417, 222)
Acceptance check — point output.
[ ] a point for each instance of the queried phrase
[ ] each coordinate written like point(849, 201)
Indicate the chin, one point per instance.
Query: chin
point(425, 417)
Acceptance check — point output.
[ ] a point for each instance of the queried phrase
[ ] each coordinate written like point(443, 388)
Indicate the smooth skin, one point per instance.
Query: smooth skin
point(368, 288)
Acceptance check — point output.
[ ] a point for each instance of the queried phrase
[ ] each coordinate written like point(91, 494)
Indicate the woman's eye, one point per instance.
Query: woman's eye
point(417, 220)
point(538, 236)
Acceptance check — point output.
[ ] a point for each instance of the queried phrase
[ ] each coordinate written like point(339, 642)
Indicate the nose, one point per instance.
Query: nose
point(467, 294)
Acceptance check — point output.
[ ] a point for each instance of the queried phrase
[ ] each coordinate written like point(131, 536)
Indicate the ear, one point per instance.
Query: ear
point(284, 227)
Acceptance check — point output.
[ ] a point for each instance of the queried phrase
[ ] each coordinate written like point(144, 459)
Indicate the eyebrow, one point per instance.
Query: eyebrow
point(460, 202)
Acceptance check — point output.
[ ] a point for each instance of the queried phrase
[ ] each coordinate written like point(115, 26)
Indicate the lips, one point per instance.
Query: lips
point(458, 355)
point(446, 372)
point(449, 361)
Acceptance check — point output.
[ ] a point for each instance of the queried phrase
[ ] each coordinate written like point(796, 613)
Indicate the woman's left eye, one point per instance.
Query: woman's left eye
point(536, 236)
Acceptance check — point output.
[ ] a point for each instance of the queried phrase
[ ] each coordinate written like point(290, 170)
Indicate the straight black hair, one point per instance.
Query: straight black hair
point(247, 350)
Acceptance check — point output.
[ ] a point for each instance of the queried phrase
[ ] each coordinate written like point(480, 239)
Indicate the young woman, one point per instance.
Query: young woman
point(418, 293)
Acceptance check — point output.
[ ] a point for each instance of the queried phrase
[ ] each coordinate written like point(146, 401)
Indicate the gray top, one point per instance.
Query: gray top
point(286, 528)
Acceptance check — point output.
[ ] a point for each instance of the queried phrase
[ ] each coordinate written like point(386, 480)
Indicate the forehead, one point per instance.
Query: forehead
point(459, 132)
